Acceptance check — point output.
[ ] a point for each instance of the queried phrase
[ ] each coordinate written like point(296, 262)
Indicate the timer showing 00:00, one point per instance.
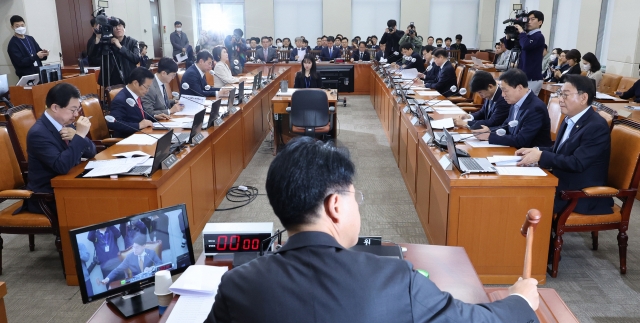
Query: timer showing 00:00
point(237, 243)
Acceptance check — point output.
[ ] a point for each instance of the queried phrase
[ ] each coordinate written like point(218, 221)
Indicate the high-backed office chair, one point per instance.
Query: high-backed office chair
point(622, 182)
point(309, 112)
point(156, 246)
point(20, 119)
point(607, 114)
point(99, 133)
point(609, 83)
point(11, 187)
point(626, 83)
point(555, 115)
point(466, 83)
point(113, 91)
point(460, 69)
point(483, 55)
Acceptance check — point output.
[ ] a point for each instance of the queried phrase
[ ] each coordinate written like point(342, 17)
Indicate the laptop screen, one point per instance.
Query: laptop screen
point(215, 112)
point(196, 127)
point(451, 148)
point(163, 149)
point(232, 95)
point(240, 92)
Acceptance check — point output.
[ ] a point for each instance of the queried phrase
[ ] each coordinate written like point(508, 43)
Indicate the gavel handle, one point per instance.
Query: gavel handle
point(528, 254)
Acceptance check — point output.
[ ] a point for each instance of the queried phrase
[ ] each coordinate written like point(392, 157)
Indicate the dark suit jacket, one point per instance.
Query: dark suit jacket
point(196, 83)
point(335, 53)
point(49, 156)
point(445, 79)
point(299, 82)
point(575, 69)
point(20, 57)
point(271, 54)
point(380, 55)
point(365, 57)
point(320, 281)
point(581, 161)
point(533, 129)
point(493, 112)
point(131, 262)
point(127, 58)
point(418, 64)
point(431, 75)
point(124, 113)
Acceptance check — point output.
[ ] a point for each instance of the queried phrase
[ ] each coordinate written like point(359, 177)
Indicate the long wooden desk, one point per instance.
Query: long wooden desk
point(482, 213)
point(200, 179)
point(624, 112)
point(549, 88)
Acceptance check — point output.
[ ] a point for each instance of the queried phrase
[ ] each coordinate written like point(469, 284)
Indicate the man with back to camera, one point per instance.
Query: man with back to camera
point(494, 108)
point(156, 102)
point(318, 279)
point(391, 38)
point(141, 260)
point(446, 76)
point(580, 155)
point(179, 40)
point(54, 144)
point(532, 128)
point(532, 42)
point(125, 55)
point(24, 52)
point(196, 78)
point(131, 116)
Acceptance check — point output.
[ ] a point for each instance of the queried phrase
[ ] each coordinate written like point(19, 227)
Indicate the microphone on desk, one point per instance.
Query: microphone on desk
point(131, 102)
point(463, 91)
point(185, 86)
point(112, 119)
point(501, 131)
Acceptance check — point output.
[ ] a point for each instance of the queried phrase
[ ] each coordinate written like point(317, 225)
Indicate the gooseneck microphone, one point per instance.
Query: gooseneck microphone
point(185, 86)
point(131, 102)
point(501, 131)
point(463, 91)
point(112, 119)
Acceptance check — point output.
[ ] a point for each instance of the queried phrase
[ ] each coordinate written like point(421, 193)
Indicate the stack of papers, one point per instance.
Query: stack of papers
point(113, 166)
point(444, 103)
point(288, 93)
point(603, 96)
point(192, 105)
point(480, 143)
point(450, 110)
point(140, 139)
point(129, 154)
point(409, 74)
point(442, 123)
point(197, 288)
point(520, 171)
point(428, 93)
point(501, 160)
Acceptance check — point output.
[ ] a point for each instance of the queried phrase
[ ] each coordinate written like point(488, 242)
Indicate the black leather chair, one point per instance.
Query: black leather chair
point(309, 113)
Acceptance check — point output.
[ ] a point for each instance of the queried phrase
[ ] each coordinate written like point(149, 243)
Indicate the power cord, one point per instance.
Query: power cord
point(240, 194)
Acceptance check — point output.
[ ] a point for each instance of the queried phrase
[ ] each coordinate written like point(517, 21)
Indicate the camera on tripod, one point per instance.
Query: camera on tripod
point(106, 26)
point(521, 19)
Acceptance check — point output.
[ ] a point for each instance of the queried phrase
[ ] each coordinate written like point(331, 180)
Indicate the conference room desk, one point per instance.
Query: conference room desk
point(200, 178)
point(549, 88)
point(482, 213)
point(624, 112)
point(479, 68)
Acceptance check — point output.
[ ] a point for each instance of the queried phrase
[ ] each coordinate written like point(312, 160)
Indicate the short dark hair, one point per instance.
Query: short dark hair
point(538, 14)
point(319, 38)
point(167, 65)
point(458, 36)
point(203, 55)
point(546, 47)
point(497, 44)
point(558, 50)
point(593, 61)
point(440, 52)
point(121, 22)
point(429, 37)
point(305, 41)
point(440, 39)
point(330, 39)
point(92, 22)
point(61, 94)
point(362, 43)
point(514, 77)
point(582, 84)
point(140, 239)
point(573, 54)
point(374, 36)
point(270, 38)
point(264, 37)
point(14, 19)
point(238, 32)
point(216, 52)
point(391, 23)
point(139, 74)
point(481, 81)
point(142, 45)
point(448, 38)
point(406, 45)
point(428, 48)
point(302, 175)
point(177, 23)
point(323, 36)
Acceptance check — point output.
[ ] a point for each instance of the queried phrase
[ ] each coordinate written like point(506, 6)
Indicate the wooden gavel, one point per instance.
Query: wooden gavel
point(528, 227)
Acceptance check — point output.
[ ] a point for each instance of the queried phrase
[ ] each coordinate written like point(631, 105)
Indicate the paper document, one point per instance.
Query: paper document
point(133, 161)
point(169, 124)
point(288, 93)
point(418, 88)
point(428, 93)
point(480, 143)
point(140, 139)
point(501, 160)
point(181, 57)
point(191, 309)
point(454, 110)
point(409, 74)
point(600, 95)
point(198, 280)
point(444, 103)
point(129, 154)
point(521, 171)
point(442, 123)
point(192, 105)
point(109, 170)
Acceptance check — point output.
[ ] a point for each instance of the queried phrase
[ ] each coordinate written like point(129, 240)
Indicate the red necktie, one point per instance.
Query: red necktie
point(140, 106)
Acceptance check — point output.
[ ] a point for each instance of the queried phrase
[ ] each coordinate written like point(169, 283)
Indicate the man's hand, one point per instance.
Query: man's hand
point(482, 133)
point(296, 57)
point(557, 74)
point(406, 32)
point(67, 133)
point(184, 50)
point(386, 30)
point(176, 108)
point(530, 156)
point(162, 116)
point(460, 121)
point(104, 281)
point(147, 269)
point(116, 42)
point(528, 289)
point(145, 123)
point(42, 54)
point(242, 79)
point(222, 93)
point(98, 37)
point(82, 126)
point(420, 75)
point(520, 30)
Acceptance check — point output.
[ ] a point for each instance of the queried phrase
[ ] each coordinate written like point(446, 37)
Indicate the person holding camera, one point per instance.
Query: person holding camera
point(236, 47)
point(24, 52)
point(411, 37)
point(532, 44)
point(391, 38)
point(122, 58)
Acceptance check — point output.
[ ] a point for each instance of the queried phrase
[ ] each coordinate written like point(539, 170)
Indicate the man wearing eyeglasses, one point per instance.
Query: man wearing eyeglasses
point(580, 155)
point(54, 144)
point(130, 114)
point(318, 279)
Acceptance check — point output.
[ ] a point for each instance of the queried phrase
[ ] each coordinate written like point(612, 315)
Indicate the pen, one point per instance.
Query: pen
point(89, 117)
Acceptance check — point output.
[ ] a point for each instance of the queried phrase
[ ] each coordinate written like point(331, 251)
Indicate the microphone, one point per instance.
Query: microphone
point(185, 86)
point(453, 88)
point(501, 131)
point(166, 128)
point(112, 119)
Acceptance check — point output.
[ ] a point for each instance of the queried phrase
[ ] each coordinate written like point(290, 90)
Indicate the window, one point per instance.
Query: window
point(369, 17)
point(606, 35)
point(451, 17)
point(220, 16)
point(294, 18)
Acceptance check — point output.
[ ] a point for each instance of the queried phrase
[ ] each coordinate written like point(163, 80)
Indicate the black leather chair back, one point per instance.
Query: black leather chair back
point(309, 108)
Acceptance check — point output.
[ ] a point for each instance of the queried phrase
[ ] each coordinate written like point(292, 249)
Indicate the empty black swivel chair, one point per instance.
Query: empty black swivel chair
point(309, 113)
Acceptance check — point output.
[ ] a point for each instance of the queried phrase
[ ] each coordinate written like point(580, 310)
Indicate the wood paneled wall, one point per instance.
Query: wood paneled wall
point(74, 23)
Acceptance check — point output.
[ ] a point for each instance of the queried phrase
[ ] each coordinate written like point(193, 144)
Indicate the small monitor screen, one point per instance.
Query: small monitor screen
point(4, 85)
point(124, 254)
point(50, 73)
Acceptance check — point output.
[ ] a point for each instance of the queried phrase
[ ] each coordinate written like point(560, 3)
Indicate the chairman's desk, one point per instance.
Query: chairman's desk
point(200, 179)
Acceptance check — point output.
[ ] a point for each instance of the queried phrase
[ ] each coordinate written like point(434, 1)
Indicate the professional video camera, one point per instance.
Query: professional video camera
point(106, 26)
point(412, 29)
point(521, 19)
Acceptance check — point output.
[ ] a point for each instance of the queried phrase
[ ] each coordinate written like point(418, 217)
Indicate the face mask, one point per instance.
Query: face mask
point(21, 30)
point(553, 57)
point(439, 45)
point(585, 67)
point(178, 29)
point(279, 44)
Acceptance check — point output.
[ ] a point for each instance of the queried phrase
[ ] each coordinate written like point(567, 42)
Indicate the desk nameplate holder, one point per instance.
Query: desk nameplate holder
point(233, 110)
point(245, 100)
point(136, 302)
point(406, 109)
point(168, 162)
point(218, 122)
point(196, 139)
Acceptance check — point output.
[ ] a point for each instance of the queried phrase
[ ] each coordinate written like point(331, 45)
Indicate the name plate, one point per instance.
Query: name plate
point(406, 109)
point(393, 92)
point(426, 137)
point(233, 110)
point(245, 100)
point(218, 122)
point(254, 92)
point(445, 163)
point(413, 109)
point(398, 99)
point(197, 139)
point(414, 120)
point(169, 162)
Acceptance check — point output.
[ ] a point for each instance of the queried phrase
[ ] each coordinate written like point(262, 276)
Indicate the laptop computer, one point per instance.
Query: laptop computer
point(466, 164)
point(163, 149)
point(232, 94)
point(195, 127)
point(438, 136)
point(215, 114)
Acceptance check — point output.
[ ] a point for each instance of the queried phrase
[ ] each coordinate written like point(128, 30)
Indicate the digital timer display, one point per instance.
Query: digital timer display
point(231, 243)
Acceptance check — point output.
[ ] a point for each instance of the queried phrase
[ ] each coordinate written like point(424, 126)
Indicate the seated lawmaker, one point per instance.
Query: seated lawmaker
point(362, 54)
point(381, 54)
point(222, 76)
point(330, 52)
point(530, 113)
point(432, 70)
point(633, 93)
point(411, 58)
point(580, 156)
point(447, 75)
point(143, 54)
point(141, 260)
point(156, 102)
point(24, 52)
point(503, 57)
point(324, 281)
point(591, 65)
point(460, 46)
point(308, 77)
point(298, 53)
point(319, 43)
point(195, 76)
point(573, 62)
point(131, 116)
point(494, 108)
point(266, 53)
point(54, 144)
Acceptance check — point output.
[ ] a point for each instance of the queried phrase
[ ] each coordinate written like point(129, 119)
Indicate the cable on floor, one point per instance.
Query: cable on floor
point(240, 194)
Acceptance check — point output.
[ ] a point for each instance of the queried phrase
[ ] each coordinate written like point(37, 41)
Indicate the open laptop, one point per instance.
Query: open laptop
point(438, 137)
point(163, 149)
point(232, 94)
point(215, 114)
point(466, 164)
point(196, 127)
point(29, 80)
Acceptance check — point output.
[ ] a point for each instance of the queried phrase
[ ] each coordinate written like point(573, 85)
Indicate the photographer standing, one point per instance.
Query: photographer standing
point(24, 52)
point(123, 57)
point(236, 48)
point(391, 38)
point(532, 45)
point(411, 37)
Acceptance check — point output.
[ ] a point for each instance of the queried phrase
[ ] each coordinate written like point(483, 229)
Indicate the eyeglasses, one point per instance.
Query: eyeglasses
point(564, 96)
point(144, 86)
point(74, 111)
point(359, 196)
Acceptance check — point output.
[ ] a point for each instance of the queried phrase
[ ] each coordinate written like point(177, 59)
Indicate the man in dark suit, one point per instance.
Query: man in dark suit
point(54, 145)
point(126, 56)
point(381, 55)
point(362, 54)
point(532, 125)
point(130, 113)
point(298, 53)
point(431, 71)
point(330, 52)
point(320, 279)
point(412, 59)
point(195, 76)
point(447, 75)
point(392, 37)
point(318, 44)
point(24, 52)
point(141, 260)
point(266, 53)
point(460, 46)
point(156, 102)
point(494, 108)
point(580, 155)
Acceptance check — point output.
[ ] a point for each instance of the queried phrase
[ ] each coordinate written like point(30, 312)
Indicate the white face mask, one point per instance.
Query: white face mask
point(178, 29)
point(21, 30)
point(585, 67)
point(553, 57)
